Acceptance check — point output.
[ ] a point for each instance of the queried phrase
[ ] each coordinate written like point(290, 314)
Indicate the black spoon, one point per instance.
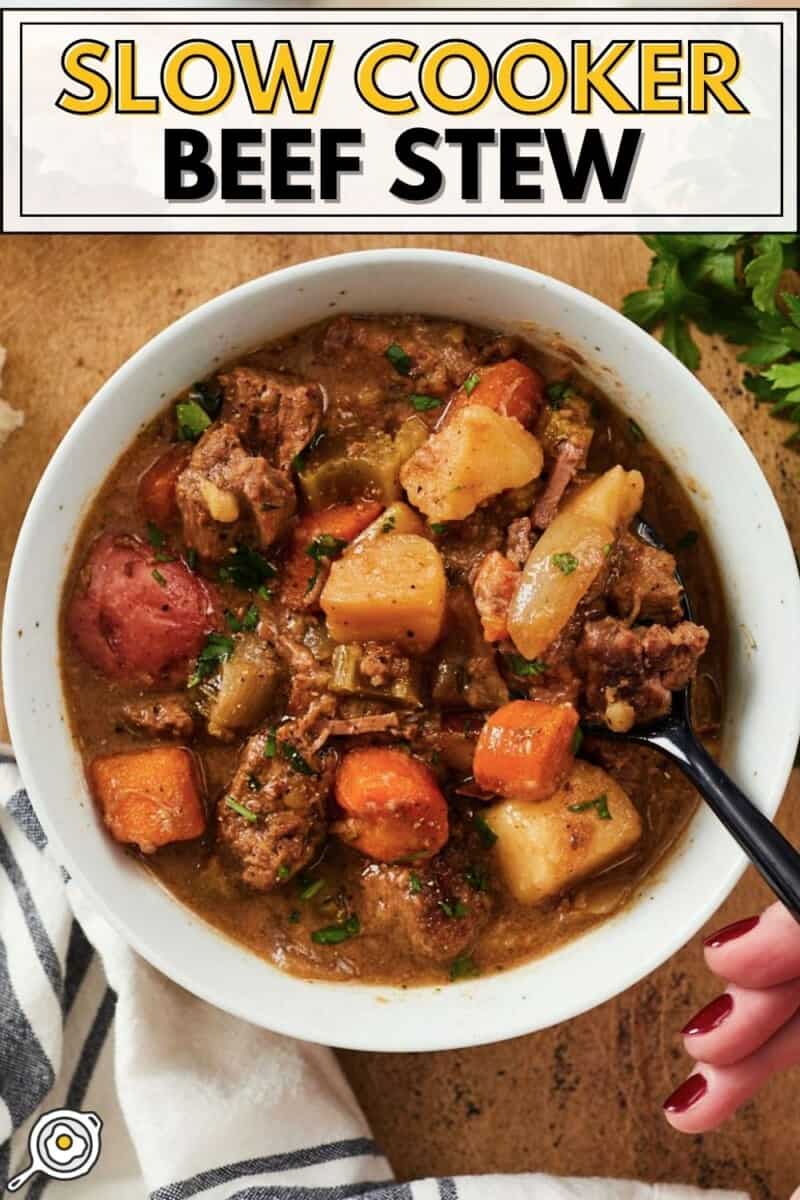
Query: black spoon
point(767, 848)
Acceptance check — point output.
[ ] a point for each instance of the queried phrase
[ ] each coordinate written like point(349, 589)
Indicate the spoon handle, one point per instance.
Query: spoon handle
point(766, 847)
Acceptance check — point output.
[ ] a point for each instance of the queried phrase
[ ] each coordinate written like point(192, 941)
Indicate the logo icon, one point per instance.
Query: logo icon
point(63, 1144)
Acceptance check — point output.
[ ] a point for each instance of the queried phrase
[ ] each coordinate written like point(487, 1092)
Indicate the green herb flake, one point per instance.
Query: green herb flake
point(159, 578)
point(687, 540)
point(609, 546)
point(217, 650)
point(600, 803)
point(294, 916)
point(270, 744)
point(414, 884)
point(331, 935)
point(477, 877)
point(565, 562)
point(635, 430)
point(192, 420)
point(282, 872)
point(155, 536)
point(471, 382)
point(577, 740)
point(463, 967)
point(246, 624)
point(525, 666)
point(424, 403)
point(310, 887)
point(246, 568)
point(438, 527)
point(241, 809)
point(398, 358)
point(557, 392)
point(295, 759)
point(323, 548)
point(190, 558)
point(484, 830)
point(455, 909)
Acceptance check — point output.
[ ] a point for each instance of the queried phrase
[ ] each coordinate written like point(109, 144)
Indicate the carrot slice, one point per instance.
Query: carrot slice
point(156, 490)
point(525, 749)
point(150, 797)
point(393, 805)
point(511, 388)
point(302, 570)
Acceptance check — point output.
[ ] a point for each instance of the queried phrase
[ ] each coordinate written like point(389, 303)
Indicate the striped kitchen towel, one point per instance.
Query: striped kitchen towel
point(194, 1103)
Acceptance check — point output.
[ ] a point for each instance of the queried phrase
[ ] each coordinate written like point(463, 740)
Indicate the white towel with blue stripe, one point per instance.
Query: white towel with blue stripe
point(194, 1103)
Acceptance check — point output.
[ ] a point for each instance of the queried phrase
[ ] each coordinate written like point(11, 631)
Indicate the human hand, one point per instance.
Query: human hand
point(752, 1030)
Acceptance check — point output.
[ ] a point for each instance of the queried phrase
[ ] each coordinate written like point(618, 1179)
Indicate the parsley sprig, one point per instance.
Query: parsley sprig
point(734, 285)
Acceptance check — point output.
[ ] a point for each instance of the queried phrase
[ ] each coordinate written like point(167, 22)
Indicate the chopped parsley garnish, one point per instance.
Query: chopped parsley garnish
point(217, 649)
point(484, 830)
point(190, 557)
point(253, 783)
point(599, 802)
point(388, 523)
point(463, 967)
point(471, 382)
point(247, 623)
point(687, 540)
point(159, 578)
point(453, 908)
point(295, 759)
point(525, 666)
point(282, 872)
point(438, 527)
point(324, 547)
point(192, 420)
point(557, 392)
point(331, 935)
point(241, 809)
point(155, 536)
point(565, 562)
point(609, 546)
point(477, 877)
point(270, 744)
point(635, 430)
point(414, 884)
point(300, 461)
point(294, 916)
point(247, 569)
point(310, 887)
point(577, 740)
point(208, 396)
point(398, 358)
point(424, 403)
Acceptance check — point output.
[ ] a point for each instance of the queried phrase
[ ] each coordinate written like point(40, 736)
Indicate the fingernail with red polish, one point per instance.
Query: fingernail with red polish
point(710, 1017)
point(731, 932)
point(690, 1091)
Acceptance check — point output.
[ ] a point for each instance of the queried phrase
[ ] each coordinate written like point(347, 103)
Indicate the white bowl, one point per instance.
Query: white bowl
point(763, 702)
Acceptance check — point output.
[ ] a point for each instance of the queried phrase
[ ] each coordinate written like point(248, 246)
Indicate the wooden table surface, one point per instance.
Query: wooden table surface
point(582, 1098)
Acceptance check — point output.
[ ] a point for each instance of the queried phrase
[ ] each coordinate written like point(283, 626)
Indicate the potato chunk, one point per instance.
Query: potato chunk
point(568, 557)
point(478, 454)
point(545, 849)
point(391, 590)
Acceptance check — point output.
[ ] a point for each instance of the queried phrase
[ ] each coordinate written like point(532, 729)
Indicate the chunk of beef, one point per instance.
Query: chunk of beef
point(288, 824)
point(636, 668)
point(132, 617)
point(438, 907)
point(167, 716)
point(520, 540)
point(273, 414)
point(493, 587)
point(441, 356)
point(569, 457)
point(225, 494)
point(308, 677)
point(642, 583)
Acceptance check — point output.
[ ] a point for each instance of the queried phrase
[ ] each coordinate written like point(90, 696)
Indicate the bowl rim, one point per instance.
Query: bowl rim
point(19, 720)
